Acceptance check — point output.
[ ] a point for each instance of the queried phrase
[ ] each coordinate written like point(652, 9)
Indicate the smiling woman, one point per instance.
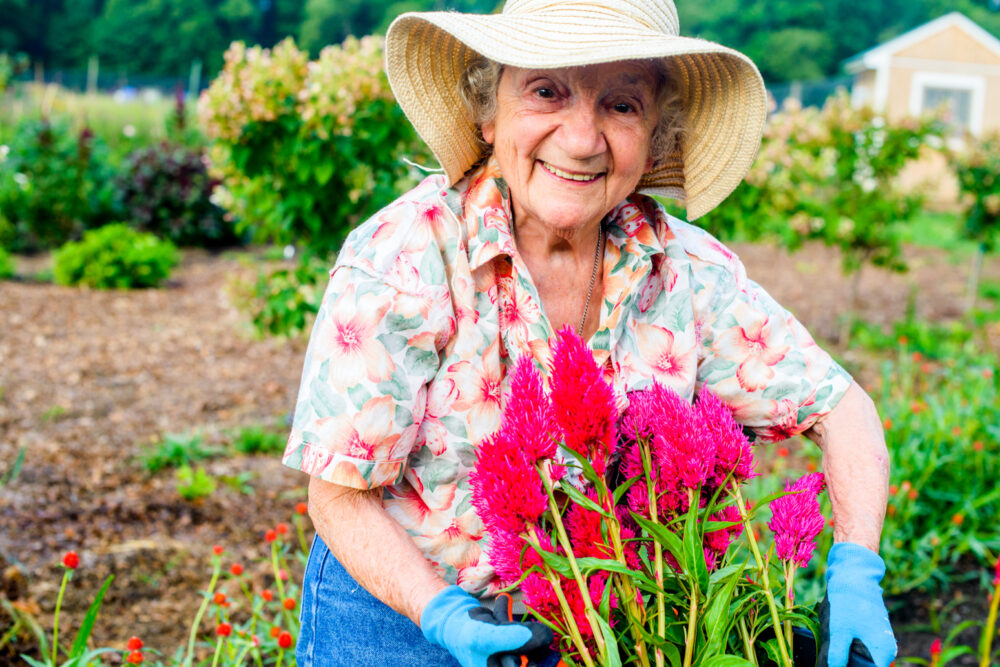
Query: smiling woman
point(553, 121)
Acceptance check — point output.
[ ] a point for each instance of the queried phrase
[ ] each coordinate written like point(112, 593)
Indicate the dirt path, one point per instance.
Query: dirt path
point(90, 378)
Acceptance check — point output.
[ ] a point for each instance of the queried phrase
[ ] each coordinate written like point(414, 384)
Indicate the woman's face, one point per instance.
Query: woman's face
point(572, 143)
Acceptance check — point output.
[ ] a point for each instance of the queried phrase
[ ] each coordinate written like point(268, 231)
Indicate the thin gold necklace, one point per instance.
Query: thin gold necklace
point(593, 279)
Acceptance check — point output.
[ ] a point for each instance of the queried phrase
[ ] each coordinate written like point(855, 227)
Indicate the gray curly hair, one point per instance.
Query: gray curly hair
point(478, 90)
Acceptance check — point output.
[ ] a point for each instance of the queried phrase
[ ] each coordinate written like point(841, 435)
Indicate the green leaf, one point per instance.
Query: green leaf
point(323, 170)
point(622, 489)
point(672, 654)
point(591, 564)
point(613, 658)
point(325, 402)
point(663, 535)
point(555, 562)
point(727, 661)
point(694, 554)
point(83, 634)
point(588, 470)
point(578, 497)
point(717, 617)
point(773, 652)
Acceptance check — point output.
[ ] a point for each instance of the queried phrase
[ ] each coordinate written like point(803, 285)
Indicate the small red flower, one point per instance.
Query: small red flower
point(224, 629)
point(887, 424)
point(134, 644)
point(978, 445)
point(71, 560)
point(301, 508)
point(902, 340)
point(783, 452)
point(917, 357)
point(281, 528)
point(913, 494)
point(285, 640)
point(916, 407)
point(270, 536)
point(219, 598)
point(255, 640)
point(275, 631)
point(936, 648)
point(236, 569)
point(134, 658)
point(282, 574)
point(288, 603)
point(926, 368)
point(267, 594)
point(956, 431)
point(893, 489)
point(218, 549)
point(996, 579)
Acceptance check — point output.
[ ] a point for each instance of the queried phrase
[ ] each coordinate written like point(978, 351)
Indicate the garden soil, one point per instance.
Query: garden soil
point(90, 380)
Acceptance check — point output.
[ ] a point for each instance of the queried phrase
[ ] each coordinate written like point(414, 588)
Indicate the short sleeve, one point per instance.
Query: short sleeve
point(362, 396)
point(757, 357)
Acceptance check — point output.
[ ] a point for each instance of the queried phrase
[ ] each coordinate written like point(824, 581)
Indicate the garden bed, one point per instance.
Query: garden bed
point(92, 379)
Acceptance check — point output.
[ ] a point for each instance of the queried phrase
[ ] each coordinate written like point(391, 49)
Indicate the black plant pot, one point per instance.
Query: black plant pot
point(805, 652)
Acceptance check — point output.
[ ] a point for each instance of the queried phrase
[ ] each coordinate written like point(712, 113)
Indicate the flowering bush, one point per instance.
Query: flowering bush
point(305, 150)
point(829, 175)
point(618, 527)
point(978, 170)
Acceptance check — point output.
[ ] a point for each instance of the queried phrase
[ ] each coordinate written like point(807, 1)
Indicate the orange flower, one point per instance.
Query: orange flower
point(70, 560)
point(301, 508)
point(236, 569)
point(267, 594)
point(978, 445)
point(285, 640)
point(219, 598)
point(134, 644)
point(887, 424)
point(956, 431)
point(275, 631)
point(270, 536)
point(134, 658)
point(782, 452)
point(281, 528)
point(288, 603)
point(957, 519)
point(224, 630)
point(218, 549)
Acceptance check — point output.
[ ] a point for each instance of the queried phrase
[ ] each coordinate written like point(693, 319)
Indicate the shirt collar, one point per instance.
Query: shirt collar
point(637, 226)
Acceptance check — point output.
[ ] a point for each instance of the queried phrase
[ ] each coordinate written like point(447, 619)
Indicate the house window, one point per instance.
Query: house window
point(954, 103)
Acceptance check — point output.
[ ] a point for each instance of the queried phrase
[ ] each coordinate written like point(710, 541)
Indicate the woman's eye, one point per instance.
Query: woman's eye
point(545, 93)
point(624, 107)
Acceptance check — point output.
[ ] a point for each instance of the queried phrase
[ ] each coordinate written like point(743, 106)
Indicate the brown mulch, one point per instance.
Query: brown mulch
point(91, 379)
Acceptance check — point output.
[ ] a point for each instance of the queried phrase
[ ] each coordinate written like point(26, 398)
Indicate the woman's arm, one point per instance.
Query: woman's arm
point(372, 547)
point(856, 467)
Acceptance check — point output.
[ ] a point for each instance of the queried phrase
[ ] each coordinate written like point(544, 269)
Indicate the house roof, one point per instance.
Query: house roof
point(880, 54)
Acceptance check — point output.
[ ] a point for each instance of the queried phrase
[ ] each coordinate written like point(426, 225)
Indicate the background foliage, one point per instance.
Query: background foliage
point(789, 39)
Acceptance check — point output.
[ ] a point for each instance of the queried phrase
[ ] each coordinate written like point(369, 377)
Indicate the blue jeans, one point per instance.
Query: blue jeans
point(343, 624)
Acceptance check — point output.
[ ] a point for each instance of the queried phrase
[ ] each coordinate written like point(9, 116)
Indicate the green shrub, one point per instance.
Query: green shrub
point(978, 170)
point(194, 484)
point(7, 266)
point(165, 189)
point(54, 184)
point(306, 150)
point(115, 256)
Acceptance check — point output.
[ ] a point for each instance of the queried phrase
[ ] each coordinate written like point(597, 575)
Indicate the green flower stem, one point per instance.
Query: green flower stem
point(689, 640)
point(747, 644)
point(277, 570)
point(281, 657)
point(661, 611)
point(55, 622)
point(588, 605)
point(789, 566)
point(574, 630)
point(297, 519)
point(772, 606)
point(216, 570)
point(218, 651)
point(986, 644)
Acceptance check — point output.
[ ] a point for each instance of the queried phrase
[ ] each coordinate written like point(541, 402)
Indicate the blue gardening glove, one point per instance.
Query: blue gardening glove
point(476, 637)
point(854, 623)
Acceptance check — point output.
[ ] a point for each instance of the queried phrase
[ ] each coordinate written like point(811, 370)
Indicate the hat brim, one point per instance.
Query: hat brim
point(722, 91)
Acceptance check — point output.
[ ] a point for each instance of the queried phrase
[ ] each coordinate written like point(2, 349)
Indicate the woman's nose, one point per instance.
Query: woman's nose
point(581, 132)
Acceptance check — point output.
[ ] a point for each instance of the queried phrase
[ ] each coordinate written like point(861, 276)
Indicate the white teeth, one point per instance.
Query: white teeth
point(565, 174)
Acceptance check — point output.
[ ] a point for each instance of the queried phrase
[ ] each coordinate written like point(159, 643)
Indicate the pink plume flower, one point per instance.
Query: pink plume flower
point(796, 520)
point(733, 451)
point(582, 400)
point(585, 531)
point(996, 578)
point(527, 415)
point(507, 491)
point(717, 541)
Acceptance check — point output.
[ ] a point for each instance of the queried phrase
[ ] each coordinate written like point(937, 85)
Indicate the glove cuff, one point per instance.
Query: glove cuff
point(853, 561)
point(442, 608)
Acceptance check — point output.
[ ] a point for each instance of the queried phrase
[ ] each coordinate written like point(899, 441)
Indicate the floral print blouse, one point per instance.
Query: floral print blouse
point(429, 305)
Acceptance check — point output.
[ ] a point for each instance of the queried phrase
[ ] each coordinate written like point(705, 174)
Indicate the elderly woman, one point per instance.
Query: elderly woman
point(553, 122)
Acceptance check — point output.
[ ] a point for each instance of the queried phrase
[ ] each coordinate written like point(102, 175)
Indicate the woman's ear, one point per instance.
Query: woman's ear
point(489, 132)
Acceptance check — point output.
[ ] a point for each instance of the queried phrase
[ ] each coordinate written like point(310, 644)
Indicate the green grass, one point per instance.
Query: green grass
point(933, 229)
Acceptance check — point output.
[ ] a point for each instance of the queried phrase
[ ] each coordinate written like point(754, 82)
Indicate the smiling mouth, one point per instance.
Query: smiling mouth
point(570, 176)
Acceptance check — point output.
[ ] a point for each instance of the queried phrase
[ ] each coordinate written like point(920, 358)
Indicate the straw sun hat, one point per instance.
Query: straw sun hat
point(722, 91)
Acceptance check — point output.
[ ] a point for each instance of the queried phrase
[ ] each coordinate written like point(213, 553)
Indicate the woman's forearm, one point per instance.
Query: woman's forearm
point(856, 467)
point(373, 547)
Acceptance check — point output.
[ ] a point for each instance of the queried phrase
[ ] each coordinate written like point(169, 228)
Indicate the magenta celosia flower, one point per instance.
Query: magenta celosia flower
point(796, 520)
point(527, 415)
point(733, 451)
point(583, 403)
point(996, 578)
point(511, 555)
point(507, 491)
point(718, 541)
point(584, 527)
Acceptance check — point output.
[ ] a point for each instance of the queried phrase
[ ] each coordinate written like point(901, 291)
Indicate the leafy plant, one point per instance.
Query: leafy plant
point(176, 450)
point(193, 484)
point(115, 256)
point(165, 189)
point(7, 266)
point(978, 171)
point(283, 301)
point(306, 150)
point(260, 440)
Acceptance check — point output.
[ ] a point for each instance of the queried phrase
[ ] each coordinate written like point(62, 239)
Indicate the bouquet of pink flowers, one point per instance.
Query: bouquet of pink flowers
point(619, 528)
